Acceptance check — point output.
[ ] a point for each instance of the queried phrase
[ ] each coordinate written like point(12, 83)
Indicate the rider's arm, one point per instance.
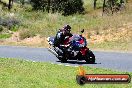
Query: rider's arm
point(59, 35)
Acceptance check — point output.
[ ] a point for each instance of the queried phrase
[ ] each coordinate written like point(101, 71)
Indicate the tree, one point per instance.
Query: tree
point(66, 7)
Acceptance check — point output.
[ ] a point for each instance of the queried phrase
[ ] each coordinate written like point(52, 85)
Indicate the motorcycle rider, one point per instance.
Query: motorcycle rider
point(61, 35)
point(60, 39)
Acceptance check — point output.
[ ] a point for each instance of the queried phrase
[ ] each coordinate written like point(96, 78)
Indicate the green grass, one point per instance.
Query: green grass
point(4, 36)
point(112, 45)
point(26, 74)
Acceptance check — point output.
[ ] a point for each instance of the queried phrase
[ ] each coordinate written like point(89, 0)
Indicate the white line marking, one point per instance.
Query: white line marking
point(76, 66)
point(67, 65)
point(60, 64)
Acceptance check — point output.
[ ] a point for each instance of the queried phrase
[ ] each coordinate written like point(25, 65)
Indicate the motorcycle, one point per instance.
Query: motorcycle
point(74, 48)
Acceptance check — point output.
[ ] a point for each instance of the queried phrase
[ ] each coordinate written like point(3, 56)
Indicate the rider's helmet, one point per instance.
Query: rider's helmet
point(67, 28)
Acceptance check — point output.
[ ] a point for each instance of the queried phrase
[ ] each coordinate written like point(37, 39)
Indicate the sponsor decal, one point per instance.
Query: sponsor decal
point(83, 78)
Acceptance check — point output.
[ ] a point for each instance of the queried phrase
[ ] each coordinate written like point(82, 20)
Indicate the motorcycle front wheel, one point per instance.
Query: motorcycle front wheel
point(90, 57)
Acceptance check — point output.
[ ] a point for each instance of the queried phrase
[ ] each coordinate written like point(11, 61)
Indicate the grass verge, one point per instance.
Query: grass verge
point(4, 36)
point(112, 46)
point(26, 74)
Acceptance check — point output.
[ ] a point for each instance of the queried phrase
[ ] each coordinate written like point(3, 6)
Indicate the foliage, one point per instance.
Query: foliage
point(25, 34)
point(66, 7)
point(1, 28)
point(4, 36)
point(9, 22)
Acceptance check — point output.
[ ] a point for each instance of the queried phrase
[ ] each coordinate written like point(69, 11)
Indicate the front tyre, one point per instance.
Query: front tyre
point(90, 57)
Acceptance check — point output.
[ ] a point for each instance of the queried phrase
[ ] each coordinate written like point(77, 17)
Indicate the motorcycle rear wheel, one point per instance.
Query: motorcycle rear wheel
point(62, 59)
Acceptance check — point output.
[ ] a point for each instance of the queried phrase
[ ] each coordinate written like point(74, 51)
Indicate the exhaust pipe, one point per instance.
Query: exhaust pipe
point(52, 51)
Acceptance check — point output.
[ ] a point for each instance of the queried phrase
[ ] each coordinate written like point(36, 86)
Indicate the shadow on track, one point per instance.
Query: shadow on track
point(77, 62)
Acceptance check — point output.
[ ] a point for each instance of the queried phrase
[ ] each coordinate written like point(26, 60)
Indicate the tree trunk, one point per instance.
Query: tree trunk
point(112, 6)
point(95, 4)
point(9, 5)
point(104, 5)
point(23, 2)
point(48, 6)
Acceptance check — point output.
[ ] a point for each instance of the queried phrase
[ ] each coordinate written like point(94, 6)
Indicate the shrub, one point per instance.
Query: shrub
point(1, 28)
point(25, 34)
point(66, 7)
point(4, 36)
point(9, 22)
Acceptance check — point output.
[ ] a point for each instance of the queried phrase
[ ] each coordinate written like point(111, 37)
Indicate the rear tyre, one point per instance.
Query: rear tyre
point(90, 58)
point(59, 58)
point(62, 59)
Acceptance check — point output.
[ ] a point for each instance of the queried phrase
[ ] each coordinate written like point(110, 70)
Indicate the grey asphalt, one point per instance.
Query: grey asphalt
point(111, 60)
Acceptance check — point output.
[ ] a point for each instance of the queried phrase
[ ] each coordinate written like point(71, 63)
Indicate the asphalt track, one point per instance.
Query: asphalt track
point(111, 60)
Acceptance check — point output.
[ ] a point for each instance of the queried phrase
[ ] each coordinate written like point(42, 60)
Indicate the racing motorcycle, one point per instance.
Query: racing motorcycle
point(74, 48)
